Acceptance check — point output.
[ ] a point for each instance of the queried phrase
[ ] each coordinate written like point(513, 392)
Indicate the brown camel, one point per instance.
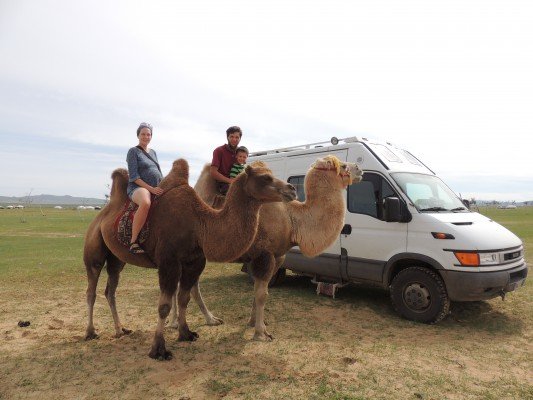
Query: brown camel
point(313, 225)
point(184, 231)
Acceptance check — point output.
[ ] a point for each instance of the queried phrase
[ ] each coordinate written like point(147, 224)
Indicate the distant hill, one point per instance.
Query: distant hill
point(51, 199)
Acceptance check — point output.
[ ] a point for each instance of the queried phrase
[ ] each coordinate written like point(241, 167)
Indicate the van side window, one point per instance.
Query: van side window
point(298, 183)
point(366, 197)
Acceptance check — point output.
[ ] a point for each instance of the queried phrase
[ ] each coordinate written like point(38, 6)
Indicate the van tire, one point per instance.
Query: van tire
point(419, 294)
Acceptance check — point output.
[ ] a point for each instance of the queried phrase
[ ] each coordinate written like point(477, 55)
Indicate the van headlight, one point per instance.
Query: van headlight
point(476, 259)
point(488, 258)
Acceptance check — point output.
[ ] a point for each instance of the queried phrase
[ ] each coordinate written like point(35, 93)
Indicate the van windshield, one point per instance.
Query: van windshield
point(428, 193)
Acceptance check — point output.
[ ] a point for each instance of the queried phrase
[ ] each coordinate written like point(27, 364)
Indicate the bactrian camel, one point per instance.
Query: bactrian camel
point(313, 225)
point(184, 231)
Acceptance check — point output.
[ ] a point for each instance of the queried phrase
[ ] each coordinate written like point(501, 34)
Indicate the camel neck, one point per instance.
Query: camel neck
point(240, 214)
point(320, 212)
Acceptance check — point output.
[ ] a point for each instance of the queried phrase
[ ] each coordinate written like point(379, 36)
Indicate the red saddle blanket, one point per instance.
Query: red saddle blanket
point(124, 222)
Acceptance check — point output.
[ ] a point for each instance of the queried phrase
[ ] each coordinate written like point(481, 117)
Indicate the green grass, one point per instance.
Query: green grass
point(519, 221)
point(352, 347)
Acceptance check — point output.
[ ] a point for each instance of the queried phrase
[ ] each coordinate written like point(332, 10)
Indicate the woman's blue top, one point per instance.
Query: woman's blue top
point(140, 166)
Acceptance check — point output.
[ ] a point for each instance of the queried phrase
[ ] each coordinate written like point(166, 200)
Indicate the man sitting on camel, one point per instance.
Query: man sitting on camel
point(223, 159)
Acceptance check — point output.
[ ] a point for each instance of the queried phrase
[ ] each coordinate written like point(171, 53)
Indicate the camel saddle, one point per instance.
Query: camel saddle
point(124, 223)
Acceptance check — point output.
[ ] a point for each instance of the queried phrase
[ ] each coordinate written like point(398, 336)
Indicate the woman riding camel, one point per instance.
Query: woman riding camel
point(145, 175)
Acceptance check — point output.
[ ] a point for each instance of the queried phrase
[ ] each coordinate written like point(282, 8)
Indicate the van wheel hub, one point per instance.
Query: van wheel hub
point(417, 297)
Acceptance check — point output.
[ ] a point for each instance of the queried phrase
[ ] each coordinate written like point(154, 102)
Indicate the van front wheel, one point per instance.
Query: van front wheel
point(419, 294)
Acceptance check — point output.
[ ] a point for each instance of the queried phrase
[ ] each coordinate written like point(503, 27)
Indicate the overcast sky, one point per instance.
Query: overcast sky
point(451, 81)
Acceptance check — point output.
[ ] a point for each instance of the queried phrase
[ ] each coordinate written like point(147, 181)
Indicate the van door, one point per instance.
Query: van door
point(372, 241)
point(328, 263)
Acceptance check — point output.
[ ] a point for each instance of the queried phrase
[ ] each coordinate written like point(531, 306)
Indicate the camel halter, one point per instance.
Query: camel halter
point(344, 174)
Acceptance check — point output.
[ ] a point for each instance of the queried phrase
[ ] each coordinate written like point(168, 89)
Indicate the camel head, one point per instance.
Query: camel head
point(334, 172)
point(259, 183)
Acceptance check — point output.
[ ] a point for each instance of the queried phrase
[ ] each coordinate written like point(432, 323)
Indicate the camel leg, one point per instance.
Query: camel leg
point(94, 256)
point(261, 294)
point(114, 267)
point(93, 273)
point(210, 319)
point(169, 275)
point(158, 350)
point(251, 321)
point(189, 279)
point(279, 262)
point(262, 269)
point(174, 311)
point(185, 334)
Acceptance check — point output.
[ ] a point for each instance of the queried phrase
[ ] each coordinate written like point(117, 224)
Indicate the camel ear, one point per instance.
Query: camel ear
point(249, 170)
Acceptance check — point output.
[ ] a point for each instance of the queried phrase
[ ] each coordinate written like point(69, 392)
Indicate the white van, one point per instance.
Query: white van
point(404, 230)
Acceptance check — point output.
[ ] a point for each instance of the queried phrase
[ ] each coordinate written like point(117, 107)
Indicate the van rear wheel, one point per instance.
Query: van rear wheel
point(419, 294)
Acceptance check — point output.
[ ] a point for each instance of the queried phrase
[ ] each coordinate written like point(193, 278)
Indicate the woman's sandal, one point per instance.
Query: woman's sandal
point(135, 248)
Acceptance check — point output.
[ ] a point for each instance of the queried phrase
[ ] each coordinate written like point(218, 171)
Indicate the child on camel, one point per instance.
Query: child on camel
point(241, 155)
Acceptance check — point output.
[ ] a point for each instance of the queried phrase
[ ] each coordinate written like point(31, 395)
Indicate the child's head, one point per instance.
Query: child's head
point(241, 154)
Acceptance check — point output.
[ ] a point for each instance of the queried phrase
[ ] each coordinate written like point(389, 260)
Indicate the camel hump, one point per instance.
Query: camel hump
point(178, 175)
point(206, 186)
point(119, 186)
point(259, 164)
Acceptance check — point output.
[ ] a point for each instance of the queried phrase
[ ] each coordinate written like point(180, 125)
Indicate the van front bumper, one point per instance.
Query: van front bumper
point(474, 286)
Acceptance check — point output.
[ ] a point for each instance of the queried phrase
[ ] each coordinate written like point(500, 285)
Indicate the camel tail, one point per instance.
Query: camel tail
point(206, 186)
point(178, 175)
point(119, 186)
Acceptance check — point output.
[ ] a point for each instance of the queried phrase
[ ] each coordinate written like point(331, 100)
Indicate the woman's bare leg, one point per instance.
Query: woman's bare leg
point(141, 197)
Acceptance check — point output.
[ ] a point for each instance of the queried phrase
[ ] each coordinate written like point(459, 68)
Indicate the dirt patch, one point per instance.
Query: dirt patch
point(350, 347)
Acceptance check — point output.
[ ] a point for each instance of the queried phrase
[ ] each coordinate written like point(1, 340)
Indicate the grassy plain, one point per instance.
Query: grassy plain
point(351, 347)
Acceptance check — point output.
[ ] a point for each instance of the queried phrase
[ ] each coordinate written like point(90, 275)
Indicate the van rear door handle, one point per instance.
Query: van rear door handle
point(346, 229)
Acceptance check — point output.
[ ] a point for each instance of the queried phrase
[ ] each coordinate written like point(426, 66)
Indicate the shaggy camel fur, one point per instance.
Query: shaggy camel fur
point(184, 231)
point(312, 225)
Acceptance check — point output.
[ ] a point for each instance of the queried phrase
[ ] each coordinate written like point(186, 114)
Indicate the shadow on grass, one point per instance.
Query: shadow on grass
point(479, 315)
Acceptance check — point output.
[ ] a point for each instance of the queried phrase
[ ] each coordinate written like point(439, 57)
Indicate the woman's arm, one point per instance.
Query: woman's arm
point(154, 190)
point(133, 171)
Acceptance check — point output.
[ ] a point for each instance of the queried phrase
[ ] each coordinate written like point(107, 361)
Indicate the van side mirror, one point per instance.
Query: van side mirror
point(392, 209)
point(466, 203)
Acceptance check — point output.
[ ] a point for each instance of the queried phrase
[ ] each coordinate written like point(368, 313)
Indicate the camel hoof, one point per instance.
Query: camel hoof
point(263, 337)
point(214, 321)
point(188, 336)
point(173, 325)
point(91, 336)
point(159, 350)
point(163, 355)
point(122, 332)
